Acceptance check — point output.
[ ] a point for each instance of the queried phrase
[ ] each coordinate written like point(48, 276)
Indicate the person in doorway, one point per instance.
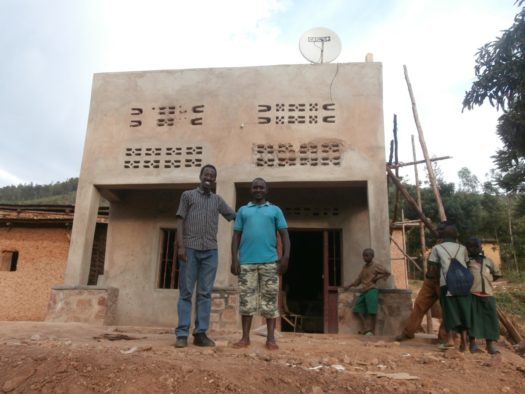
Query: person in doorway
point(456, 308)
point(197, 222)
point(366, 305)
point(255, 261)
point(485, 323)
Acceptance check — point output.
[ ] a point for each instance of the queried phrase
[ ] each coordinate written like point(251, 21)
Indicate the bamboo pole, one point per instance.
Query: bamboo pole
point(431, 176)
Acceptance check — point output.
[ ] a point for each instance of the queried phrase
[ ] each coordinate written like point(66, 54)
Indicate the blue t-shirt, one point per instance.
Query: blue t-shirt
point(259, 225)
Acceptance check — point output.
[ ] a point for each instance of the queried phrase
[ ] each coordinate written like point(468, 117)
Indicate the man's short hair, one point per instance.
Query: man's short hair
point(208, 166)
point(450, 231)
point(473, 241)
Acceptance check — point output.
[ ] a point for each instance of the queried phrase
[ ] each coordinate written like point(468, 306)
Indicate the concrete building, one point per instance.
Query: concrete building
point(314, 132)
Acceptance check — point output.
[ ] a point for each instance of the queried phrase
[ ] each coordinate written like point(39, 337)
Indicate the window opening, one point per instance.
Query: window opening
point(9, 260)
point(169, 265)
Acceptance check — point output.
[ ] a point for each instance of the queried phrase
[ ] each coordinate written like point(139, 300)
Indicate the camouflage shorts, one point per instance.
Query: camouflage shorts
point(259, 285)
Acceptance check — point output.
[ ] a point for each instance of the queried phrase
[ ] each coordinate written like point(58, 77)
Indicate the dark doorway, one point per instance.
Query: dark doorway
point(305, 285)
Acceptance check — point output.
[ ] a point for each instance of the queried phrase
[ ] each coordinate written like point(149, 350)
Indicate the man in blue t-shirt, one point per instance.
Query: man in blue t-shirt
point(256, 261)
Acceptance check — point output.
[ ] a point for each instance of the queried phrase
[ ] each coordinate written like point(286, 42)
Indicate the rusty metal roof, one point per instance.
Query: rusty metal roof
point(42, 215)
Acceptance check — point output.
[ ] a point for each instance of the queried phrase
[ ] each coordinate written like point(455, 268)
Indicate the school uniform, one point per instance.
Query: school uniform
point(484, 317)
point(367, 302)
point(456, 309)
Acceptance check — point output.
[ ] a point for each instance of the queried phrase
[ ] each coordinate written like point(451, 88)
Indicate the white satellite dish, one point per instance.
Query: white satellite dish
point(320, 45)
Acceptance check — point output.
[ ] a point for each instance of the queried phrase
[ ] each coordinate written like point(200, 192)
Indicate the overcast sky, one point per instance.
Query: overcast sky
point(51, 49)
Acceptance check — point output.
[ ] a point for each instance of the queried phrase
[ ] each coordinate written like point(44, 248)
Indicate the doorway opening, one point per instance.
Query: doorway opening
point(314, 273)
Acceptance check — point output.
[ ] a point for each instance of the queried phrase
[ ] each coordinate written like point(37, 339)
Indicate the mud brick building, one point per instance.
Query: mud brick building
point(34, 244)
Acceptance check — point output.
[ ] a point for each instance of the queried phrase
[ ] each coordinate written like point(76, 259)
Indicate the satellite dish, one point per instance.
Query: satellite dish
point(320, 45)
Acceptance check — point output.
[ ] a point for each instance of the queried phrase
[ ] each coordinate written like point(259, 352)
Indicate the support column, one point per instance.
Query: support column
point(379, 224)
point(225, 189)
point(82, 235)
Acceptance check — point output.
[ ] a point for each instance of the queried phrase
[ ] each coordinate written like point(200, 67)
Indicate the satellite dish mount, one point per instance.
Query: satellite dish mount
point(322, 40)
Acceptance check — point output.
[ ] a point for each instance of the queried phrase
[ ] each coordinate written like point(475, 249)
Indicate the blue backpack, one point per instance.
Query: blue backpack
point(459, 279)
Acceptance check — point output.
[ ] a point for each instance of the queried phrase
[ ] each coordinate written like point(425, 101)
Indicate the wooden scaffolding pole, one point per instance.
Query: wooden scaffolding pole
point(431, 176)
point(421, 228)
point(411, 201)
point(419, 162)
point(394, 153)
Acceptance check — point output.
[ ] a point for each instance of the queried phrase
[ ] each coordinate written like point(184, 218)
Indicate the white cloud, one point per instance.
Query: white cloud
point(7, 178)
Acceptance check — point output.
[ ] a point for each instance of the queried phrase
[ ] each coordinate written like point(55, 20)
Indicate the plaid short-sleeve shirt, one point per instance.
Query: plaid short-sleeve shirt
point(200, 212)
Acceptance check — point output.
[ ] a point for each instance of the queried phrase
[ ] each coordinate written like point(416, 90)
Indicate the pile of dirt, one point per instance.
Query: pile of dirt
point(75, 358)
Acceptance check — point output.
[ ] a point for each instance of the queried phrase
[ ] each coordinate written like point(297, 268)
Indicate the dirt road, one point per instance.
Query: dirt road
point(76, 358)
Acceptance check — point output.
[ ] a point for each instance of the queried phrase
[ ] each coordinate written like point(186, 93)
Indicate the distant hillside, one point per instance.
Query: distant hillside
point(53, 193)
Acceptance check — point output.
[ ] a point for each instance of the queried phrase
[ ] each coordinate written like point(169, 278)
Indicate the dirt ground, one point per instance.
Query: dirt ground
point(38, 357)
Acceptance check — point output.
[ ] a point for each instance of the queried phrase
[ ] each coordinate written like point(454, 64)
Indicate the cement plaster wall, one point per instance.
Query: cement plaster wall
point(133, 256)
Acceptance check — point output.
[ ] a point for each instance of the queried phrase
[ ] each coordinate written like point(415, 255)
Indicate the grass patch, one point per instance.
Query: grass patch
point(512, 302)
point(514, 277)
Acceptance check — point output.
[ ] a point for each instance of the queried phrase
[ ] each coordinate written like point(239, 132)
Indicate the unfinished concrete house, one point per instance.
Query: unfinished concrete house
point(314, 132)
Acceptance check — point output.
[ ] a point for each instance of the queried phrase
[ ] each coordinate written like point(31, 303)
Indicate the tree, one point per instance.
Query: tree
point(468, 182)
point(500, 73)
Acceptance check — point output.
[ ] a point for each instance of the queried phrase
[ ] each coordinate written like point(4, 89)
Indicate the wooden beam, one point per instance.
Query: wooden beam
point(419, 162)
point(513, 332)
point(406, 255)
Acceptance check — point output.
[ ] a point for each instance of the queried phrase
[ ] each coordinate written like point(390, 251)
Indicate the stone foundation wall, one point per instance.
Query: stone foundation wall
point(84, 304)
point(225, 309)
point(395, 306)
point(96, 305)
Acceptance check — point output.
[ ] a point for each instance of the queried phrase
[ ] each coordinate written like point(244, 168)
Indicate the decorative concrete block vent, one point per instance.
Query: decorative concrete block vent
point(395, 306)
point(84, 304)
point(224, 309)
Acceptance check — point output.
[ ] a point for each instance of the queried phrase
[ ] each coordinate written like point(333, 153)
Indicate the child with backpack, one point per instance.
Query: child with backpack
point(455, 283)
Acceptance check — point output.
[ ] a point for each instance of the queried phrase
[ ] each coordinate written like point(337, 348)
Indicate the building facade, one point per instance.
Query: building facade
point(314, 132)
